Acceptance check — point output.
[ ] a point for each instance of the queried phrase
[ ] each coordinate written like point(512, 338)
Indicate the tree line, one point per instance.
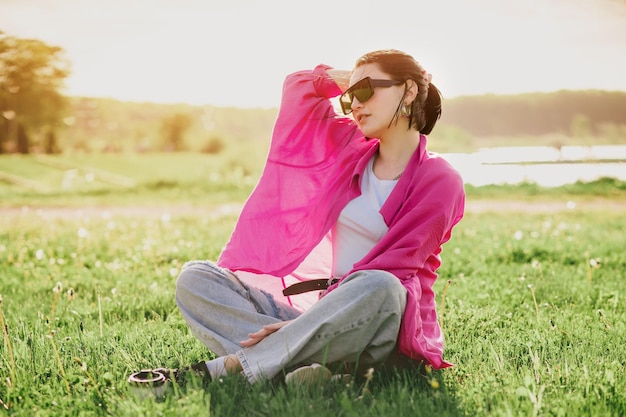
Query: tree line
point(36, 116)
point(569, 112)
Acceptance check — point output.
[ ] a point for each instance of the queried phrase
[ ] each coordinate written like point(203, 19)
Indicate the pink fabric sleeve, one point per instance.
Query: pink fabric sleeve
point(278, 225)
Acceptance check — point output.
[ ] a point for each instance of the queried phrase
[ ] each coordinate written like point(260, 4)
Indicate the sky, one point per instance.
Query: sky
point(238, 52)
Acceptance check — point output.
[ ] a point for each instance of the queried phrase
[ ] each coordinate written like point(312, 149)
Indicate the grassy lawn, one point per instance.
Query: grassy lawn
point(533, 305)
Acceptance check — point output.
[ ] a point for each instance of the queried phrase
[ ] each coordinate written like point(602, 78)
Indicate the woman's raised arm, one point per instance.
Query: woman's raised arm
point(341, 77)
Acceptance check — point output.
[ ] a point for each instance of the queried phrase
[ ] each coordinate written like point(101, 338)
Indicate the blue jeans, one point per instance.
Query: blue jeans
point(356, 323)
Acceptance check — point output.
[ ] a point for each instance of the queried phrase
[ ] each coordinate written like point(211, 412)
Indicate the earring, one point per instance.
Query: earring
point(404, 111)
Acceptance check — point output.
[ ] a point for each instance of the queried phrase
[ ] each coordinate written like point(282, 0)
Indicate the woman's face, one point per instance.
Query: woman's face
point(374, 115)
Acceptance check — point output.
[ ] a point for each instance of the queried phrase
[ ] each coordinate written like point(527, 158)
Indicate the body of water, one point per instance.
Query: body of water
point(544, 165)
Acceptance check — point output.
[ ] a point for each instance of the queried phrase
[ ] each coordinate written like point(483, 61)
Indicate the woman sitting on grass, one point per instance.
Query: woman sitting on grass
point(357, 200)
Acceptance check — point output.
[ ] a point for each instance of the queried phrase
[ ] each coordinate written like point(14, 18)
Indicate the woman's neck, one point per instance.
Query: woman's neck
point(394, 153)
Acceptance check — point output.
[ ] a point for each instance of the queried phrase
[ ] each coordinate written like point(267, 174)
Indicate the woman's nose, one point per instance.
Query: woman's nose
point(356, 104)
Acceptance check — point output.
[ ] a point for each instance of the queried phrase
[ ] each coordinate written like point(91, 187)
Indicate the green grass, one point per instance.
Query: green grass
point(534, 312)
point(601, 188)
point(97, 179)
point(532, 328)
point(203, 180)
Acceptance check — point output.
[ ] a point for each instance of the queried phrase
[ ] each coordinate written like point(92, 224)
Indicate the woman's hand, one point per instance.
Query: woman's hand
point(256, 337)
point(341, 77)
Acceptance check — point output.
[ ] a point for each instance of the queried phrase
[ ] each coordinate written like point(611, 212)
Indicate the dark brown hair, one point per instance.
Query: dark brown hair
point(425, 110)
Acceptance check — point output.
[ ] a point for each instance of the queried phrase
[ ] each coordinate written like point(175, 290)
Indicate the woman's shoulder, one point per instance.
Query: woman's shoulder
point(435, 160)
point(439, 169)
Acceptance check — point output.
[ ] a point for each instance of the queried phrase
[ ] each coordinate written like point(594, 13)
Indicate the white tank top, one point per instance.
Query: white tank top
point(360, 225)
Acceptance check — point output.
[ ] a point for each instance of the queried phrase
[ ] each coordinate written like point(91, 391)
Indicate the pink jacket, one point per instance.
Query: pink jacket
point(313, 170)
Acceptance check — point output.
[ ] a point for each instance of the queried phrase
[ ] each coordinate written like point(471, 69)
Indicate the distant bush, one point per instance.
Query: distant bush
point(450, 139)
point(214, 145)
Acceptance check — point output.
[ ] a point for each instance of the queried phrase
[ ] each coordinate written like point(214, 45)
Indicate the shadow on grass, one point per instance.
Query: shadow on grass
point(391, 393)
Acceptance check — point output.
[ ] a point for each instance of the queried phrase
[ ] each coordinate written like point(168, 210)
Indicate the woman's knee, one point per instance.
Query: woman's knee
point(380, 284)
point(185, 280)
point(185, 283)
point(387, 281)
point(389, 284)
point(203, 277)
point(192, 277)
point(378, 280)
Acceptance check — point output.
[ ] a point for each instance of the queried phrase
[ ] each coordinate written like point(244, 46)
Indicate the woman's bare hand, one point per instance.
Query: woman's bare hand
point(341, 77)
point(256, 337)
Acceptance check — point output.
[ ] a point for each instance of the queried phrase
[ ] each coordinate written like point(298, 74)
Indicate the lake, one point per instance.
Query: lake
point(544, 165)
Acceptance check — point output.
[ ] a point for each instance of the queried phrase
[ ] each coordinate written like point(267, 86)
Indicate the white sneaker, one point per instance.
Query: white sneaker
point(314, 374)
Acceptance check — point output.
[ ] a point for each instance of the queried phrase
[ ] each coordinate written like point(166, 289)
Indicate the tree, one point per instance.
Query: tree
point(22, 140)
point(50, 143)
point(31, 77)
point(173, 129)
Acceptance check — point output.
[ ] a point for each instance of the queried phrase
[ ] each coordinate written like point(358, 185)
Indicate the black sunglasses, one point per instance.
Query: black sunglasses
point(363, 90)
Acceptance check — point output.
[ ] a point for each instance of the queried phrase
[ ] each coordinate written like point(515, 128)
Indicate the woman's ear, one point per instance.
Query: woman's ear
point(411, 91)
